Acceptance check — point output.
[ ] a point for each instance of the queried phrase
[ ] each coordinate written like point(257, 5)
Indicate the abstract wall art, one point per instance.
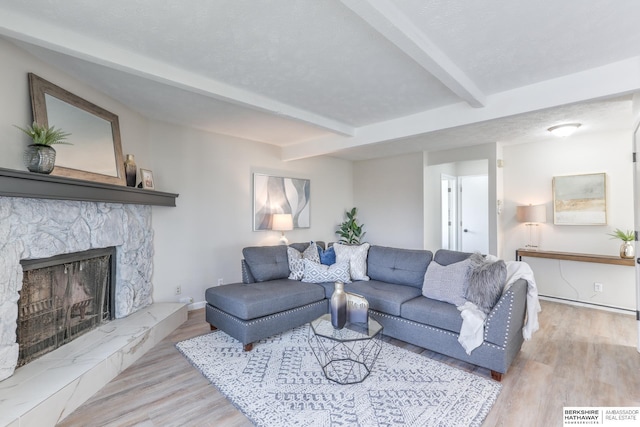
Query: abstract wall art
point(277, 194)
point(580, 199)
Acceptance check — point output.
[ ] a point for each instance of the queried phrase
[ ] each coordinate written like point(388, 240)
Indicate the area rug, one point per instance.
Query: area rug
point(280, 383)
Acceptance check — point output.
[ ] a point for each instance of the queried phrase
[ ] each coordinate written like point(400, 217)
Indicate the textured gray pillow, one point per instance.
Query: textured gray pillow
point(486, 280)
point(446, 282)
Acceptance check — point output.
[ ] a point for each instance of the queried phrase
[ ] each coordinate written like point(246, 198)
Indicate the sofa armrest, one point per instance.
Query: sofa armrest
point(247, 277)
point(506, 319)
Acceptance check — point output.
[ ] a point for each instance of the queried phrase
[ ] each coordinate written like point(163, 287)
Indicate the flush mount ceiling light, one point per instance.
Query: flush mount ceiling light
point(564, 129)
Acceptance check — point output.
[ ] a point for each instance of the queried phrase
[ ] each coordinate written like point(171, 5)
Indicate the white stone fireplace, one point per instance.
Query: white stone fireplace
point(47, 389)
point(38, 228)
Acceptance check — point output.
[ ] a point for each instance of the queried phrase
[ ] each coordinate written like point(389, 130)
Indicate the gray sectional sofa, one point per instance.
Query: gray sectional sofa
point(268, 302)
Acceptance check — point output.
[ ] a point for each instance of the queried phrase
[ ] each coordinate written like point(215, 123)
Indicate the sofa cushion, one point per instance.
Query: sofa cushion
point(295, 258)
point(384, 297)
point(357, 257)
point(447, 283)
point(446, 257)
point(398, 266)
point(329, 287)
point(267, 262)
point(253, 300)
point(319, 273)
point(301, 246)
point(486, 282)
point(432, 312)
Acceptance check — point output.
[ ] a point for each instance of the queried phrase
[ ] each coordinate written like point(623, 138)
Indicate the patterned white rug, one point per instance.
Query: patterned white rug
point(280, 383)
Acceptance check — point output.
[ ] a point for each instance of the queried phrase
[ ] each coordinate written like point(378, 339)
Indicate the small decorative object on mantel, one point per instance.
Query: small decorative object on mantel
point(40, 156)
point(147, 179)
point(130, 170)
point(338, 306)
point(357, 308)
point(627, 249)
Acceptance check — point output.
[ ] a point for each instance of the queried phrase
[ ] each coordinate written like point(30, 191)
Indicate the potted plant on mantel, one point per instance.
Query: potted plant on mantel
point(349, 231)
point(626, 249)
point(40, 156)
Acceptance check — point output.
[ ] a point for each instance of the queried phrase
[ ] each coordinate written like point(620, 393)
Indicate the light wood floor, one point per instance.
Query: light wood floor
point(579, 357)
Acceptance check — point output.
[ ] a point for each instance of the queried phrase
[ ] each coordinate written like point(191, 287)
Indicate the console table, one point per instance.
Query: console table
point(570, 256)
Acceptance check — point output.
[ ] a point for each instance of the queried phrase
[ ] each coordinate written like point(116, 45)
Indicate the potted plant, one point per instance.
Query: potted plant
point(626, 249)
point(41, 156)
point(349, 231)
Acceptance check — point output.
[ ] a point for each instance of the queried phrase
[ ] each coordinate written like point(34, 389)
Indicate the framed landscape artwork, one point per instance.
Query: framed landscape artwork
point(277, 194)
point(580, 199)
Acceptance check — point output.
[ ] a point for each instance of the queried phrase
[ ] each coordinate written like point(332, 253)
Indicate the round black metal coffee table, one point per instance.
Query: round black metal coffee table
point(346, 355)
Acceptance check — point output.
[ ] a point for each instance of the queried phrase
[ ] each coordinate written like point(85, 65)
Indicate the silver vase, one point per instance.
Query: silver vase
point(338, 306)
point(627, 250)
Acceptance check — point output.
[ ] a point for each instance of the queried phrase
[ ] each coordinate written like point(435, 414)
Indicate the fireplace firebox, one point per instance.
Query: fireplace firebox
point(63, 297)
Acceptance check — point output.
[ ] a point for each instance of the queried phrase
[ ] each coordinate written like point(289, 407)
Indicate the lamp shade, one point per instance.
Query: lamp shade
point(537, 213)
point(282, 222)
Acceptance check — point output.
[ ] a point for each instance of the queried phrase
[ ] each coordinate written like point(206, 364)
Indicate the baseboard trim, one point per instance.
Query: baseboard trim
point(587, 304)
point(196, 305)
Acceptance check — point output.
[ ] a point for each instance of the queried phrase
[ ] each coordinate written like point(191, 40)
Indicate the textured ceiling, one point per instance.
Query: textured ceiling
point(352, 78)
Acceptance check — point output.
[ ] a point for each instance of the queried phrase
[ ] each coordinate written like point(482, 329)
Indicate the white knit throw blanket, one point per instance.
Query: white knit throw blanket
point(473, 319)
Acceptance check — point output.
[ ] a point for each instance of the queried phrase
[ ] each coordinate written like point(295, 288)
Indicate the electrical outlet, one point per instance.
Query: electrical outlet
point(178, 290)
point(597, 287)
point(220, 281)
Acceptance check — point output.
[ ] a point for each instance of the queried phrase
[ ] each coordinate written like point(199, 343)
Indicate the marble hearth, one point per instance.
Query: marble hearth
point(45, 391)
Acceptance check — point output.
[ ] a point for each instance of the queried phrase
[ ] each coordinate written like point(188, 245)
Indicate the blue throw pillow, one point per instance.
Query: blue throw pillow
point(327, 257)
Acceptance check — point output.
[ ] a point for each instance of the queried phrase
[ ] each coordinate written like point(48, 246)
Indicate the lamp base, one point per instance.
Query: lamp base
point(284, 240)
point(534, 237)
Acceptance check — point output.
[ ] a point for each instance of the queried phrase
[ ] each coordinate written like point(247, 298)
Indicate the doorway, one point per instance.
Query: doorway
point(464, 213)
point(448, 192)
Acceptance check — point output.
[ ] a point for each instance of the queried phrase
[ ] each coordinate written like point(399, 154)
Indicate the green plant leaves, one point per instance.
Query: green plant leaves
point(44, 135)
point(628, 236)
point(350, 231)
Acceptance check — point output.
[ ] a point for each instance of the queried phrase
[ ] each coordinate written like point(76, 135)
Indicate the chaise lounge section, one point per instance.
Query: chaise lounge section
point(262, 307)
point(268, 303)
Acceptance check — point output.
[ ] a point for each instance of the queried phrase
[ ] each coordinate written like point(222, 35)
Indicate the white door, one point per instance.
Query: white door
point(474, 213)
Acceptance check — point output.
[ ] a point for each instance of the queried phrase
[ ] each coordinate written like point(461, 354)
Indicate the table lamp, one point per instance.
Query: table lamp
point(282, 223)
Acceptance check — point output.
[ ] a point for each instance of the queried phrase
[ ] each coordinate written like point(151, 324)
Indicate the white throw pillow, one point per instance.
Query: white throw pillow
point(447, 283)
point(296, 266)
point(320, 273)
point(357, 258)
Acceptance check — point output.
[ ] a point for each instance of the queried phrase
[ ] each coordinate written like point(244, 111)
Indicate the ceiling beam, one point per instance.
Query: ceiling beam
point(610, 80)
point(41, 33)
point(389, 21)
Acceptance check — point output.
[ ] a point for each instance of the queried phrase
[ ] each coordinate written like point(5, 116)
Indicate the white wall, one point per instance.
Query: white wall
point(201, 239)
point(528, 173)
point(389, 196)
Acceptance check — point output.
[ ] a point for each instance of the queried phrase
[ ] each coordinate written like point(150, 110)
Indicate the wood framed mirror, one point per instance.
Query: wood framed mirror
point(96, 153)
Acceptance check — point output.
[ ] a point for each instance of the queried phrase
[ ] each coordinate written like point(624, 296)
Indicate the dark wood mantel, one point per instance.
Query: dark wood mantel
point(14, 183)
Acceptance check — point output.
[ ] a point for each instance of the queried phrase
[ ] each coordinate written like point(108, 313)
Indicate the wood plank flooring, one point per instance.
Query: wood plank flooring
point(579, 357)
